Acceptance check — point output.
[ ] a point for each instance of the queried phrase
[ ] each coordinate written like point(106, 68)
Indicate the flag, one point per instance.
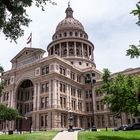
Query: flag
point(29, 39)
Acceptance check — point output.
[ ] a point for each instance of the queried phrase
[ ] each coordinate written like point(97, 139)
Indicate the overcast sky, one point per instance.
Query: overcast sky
point(108, 24)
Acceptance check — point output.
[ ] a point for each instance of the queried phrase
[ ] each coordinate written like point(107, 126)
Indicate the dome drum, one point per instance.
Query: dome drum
point(72, 49)
point(70, 33)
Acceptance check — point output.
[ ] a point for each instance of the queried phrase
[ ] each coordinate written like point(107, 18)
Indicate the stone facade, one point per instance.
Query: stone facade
point(49, 91)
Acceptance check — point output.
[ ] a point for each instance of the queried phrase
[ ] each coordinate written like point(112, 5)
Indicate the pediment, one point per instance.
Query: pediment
point(27, 52)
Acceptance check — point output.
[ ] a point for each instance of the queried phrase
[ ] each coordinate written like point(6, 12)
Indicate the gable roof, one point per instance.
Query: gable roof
point(27, 49)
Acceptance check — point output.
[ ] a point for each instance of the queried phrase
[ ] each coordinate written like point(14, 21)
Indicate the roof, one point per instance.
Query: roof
point(27, 49)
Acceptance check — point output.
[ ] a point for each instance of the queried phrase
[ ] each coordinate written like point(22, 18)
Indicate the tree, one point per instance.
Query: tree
point(8, 114)
point(121, 93)
point(134, 50)
point(13, 16)
point(1, 82)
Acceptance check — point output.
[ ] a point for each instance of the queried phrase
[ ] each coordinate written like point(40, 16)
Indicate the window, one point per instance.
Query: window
point(45, 70)
point(65, 34)
point(46, 120)
point(76, 34)
point(97, 105)
point(42, 121)
point(86, 94)
point(62, 70)
point(42, 103)
point(44, 87)
point(62, 87)
point(73, 91)
point(72, 75)
point(86, 64)
point(87, 107)
point(71, 62)
point(70, 33)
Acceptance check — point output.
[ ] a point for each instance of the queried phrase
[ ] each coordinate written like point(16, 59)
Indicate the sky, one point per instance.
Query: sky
point(108, 23)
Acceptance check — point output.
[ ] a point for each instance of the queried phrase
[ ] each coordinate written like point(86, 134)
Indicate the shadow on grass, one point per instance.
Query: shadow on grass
point(112, 138)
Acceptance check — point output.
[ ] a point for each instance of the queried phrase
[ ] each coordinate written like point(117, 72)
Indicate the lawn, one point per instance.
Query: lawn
point(33, 136)
point(109, 135)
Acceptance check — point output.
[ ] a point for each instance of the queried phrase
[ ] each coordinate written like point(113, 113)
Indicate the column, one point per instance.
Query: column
point(67, 49)
point(53, 50)
point(75, 49)
point(54, 92)
point(37, 122)
point(92, 54)
point(87, 51)
point(60, 49)
point(38, 96)
point(82, 50)
point(35, 97)
point(58, 95)
point(70, 106)
point(67, 97)
point(50, 97)
point(76, 102)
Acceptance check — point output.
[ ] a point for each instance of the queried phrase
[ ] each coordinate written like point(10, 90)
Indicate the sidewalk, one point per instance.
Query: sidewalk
point(66, 135)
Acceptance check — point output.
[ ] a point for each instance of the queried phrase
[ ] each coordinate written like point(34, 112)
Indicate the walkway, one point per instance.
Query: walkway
point(66, 135)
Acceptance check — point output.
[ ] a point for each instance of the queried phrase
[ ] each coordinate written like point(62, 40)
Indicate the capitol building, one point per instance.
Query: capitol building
point(53, 92)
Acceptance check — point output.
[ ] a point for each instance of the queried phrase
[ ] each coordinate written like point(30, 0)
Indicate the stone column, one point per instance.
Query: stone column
point(75, 49)
point(92, 54)
point(67, 49)
point(87, 51)
point(53, 50)
point(70, 105)
point(50, 97)
point(82, 50)
point(54, 92)
point(58, 96)
point(67, 96)
point(38, 96)
point(35, 97)
point(60, 49)
point(37, 122)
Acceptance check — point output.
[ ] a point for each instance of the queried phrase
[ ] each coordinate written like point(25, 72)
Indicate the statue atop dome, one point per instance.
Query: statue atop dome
point(69, 11)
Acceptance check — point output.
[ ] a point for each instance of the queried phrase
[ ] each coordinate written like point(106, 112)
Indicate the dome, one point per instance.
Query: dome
point(69, 22)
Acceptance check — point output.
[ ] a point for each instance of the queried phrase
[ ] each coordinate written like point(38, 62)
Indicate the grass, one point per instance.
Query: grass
point(33, 136)
point(109, 135)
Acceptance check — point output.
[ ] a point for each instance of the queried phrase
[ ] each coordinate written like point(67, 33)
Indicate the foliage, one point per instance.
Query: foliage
point(109, 135)
point(7, 113)
point(122, 92)
point(1, 82)
point(134, 51)
point(136, 12)
point(13, 16)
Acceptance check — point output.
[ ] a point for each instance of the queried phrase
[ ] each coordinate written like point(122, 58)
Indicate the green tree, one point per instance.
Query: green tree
point(121, 93)
point(1, 82)
point(134, 50)
point(13, 16)
point(8, 114)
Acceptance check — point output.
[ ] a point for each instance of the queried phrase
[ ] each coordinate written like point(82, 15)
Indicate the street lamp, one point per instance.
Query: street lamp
point(91, 79)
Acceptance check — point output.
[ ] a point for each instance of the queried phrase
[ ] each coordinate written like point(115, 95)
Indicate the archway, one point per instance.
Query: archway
point(24, 97)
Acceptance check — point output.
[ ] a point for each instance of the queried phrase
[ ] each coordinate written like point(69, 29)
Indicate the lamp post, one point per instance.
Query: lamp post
point(91, 79)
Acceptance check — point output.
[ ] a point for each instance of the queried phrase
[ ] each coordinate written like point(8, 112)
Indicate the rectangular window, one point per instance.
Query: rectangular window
point(42, 121)
point(42, 103)
point(45, 70)
point(62, 70)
